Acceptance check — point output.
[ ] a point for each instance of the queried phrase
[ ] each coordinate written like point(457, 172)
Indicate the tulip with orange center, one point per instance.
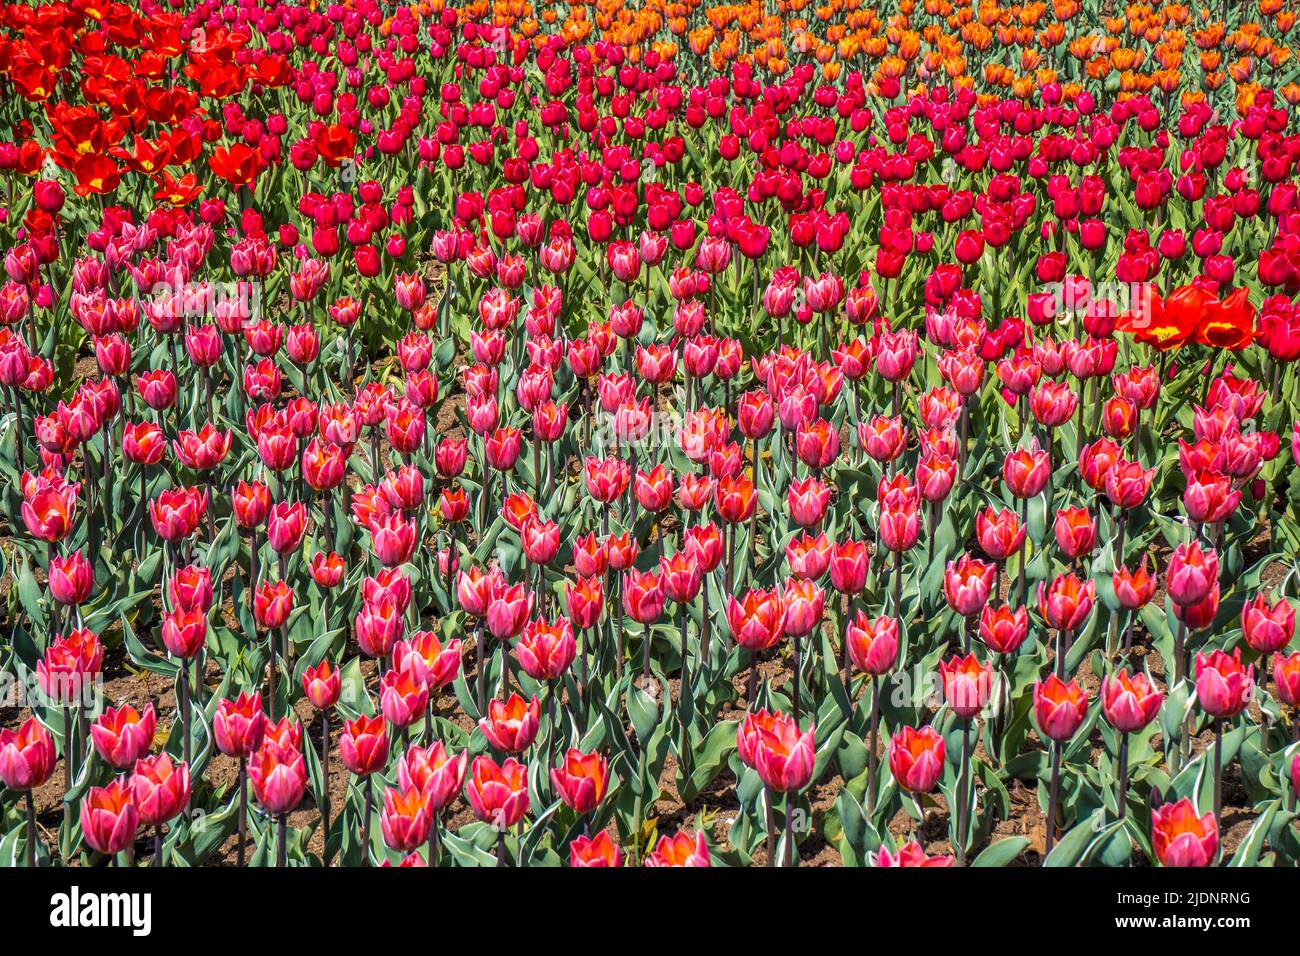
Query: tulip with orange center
point(1129, 703)
point(109, 817)
point(406, 819)
point(27, 758)
point(966, 688)
point(581, 781)
point(1059, 710)
point(680, 849)
point(1181, 837)
point(1224, 686)
point(498, 795)
point(597, 851)
point(967, 583)
point(511, 725)
point(804, 605)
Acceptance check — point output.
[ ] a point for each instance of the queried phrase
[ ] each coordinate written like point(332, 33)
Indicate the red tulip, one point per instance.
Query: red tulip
point(1130, 703)
point(160, 790)
point(511, 725)
point(909, 855)
point(1134, 588)
point(680, 850)
point(1181, 838)
point(498, 795)
point(1268, 629)
point(238, 725)
point(1000, 533)
point(597, 851)
point(71, 579)
point(430, 662)
point(546, 650)
point(279, 777)
point(873, 644)
point(773, 745)
point(403, 698)
point(1191, 574)
point(435, 771)
point(1066, 603)
point(643, 596)
point(757, 621)
point(27, 755)
point(363, 745)
point(966, 684)
point(581, 781)
point(272, 603)
point(1059, 708)
point(1223, 685)
point(405, 819)
point(109, 818)
point(916, 758)
point(967, 583)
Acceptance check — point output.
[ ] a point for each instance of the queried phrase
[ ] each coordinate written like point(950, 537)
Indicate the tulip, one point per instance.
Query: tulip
point(872, 644)
point(511, 725)
point(1026, 471)
point(545, 650)
point(507, 610)
point(966, 685)
point(598, 851)
point(1127, 484)
point(48, 513)
point(436, 772)
point(1286, 677)
point(70, 667)
point(1191, 574)
point(1065, 604)
point(160, 791)
point(27, 758)
point(430, 661)
point(498, 795)
point(643, 600)
point(1182, 838)
point(1129, 703)
point(966, 584)
point(403, 699)
point(911, 854)
point(848, 567)
point(1059, 710)
point(804, 605)
point(1002, 629)
point(124, 735)
point(406, 819)
point(773, 745)
point(379, 625)
point(1000, 533)
point(680, 850)
point(109, 817)
point(581, 781)
point(279, 777)
point(1075, 532)
point(363, 745)
point(1267, 628)
point(1223, 685)
point(71, 579)
point(916, 758)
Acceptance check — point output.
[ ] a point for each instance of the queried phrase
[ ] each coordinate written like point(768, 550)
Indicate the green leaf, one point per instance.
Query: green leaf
point(1002, 852)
